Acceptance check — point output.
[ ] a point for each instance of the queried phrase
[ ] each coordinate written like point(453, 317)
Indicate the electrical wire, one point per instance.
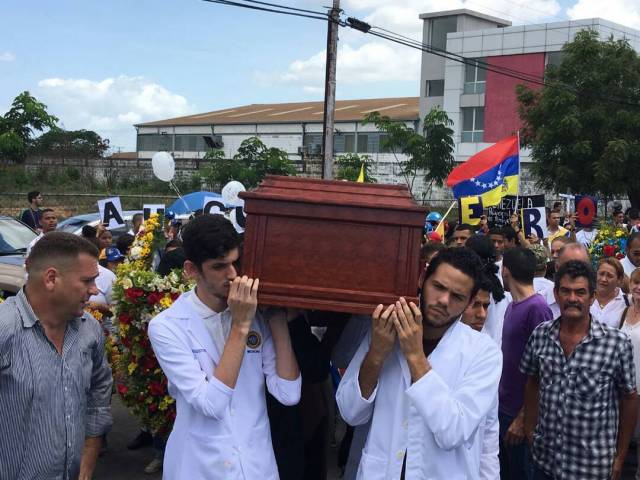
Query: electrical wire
point(409, 42)
point(264, 9)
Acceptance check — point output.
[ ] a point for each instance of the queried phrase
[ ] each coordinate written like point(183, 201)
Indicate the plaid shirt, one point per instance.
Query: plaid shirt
point(577, 431)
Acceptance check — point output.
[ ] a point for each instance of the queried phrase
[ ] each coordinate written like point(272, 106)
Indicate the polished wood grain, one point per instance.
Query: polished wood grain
point(331, 245)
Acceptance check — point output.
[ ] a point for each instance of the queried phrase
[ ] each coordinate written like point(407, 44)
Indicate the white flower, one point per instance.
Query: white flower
point(136, 252)
point(126, 283)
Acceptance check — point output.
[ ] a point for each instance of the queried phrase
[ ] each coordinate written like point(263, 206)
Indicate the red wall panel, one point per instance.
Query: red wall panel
point(501, 106)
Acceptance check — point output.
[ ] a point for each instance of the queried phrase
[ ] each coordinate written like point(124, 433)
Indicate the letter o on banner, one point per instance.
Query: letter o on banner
point(586, 210)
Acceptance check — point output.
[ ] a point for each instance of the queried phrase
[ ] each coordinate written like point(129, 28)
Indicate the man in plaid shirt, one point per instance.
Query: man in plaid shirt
point(580, 403)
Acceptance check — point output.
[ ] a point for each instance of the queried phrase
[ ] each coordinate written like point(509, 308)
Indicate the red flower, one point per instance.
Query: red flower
point(124, 318)
point(154, 297)
point(619, 255)
point(174, 296)
point(153, 407)
point(171, 415)
point(149, 363)
point(133, 294)
point(156, 388)
point(122, 389)
point(609, 250)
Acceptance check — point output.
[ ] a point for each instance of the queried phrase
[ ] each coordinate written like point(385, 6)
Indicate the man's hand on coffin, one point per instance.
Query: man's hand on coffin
point(383, 333)
point(243, 301)
point(408, 325)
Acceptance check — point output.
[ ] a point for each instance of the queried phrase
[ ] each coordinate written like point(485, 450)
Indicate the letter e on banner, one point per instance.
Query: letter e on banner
point(586, 210)
point(149, 208)
point(111, 212)
point(470, 210)
point(534, 221)
point(213, 205)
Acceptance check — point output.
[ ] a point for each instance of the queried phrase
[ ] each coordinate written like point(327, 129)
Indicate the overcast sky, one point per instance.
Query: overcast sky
point(105, 65)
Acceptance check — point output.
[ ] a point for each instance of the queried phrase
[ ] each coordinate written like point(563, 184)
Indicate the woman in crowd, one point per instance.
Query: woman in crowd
point(610, 300)
point(630, 323)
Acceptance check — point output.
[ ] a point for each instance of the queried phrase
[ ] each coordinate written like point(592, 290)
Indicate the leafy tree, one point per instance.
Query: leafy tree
point(429, 155)
point(18, 126)
point(583, 126)
point(349, 166)
point(253, 161)
point(71, 143)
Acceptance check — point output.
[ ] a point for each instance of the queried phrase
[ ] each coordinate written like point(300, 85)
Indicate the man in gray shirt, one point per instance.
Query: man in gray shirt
point(55, 382)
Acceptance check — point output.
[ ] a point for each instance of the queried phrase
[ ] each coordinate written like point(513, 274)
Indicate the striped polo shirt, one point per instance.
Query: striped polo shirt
point(49, 402)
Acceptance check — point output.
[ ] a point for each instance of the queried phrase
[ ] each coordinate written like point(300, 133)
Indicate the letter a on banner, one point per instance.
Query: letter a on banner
point(111, 212)
point(470, 210)
point(534, 220)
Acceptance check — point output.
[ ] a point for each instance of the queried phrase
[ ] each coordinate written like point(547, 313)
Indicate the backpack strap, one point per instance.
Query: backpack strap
point(626, 300)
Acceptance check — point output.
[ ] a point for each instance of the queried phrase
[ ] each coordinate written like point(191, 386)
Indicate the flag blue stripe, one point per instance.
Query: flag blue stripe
point(487, 181)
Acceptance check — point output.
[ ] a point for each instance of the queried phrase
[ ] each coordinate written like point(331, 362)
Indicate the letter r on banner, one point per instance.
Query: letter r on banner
point(470, 210)
point(534, 220)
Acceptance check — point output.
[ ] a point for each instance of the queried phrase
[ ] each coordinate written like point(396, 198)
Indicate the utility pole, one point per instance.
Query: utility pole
point(330, 92)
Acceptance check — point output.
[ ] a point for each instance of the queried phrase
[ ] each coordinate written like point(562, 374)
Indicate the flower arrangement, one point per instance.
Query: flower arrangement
point(140, 294)
point(611, 241)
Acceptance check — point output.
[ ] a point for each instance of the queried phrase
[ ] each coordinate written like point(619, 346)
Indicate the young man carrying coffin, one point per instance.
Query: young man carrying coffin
point(425, 380)
point(216, 352)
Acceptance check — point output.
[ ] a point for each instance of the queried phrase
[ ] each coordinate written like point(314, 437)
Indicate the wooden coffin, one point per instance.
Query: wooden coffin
point(332, 245)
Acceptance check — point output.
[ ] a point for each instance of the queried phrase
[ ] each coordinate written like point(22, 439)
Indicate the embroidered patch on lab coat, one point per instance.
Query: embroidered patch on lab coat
point(254, 340)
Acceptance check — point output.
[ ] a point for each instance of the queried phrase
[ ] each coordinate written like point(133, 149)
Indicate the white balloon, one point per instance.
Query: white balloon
point(164, 166)
point(230, 193)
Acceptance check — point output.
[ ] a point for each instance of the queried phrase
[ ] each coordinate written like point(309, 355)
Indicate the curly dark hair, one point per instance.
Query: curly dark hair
point(463, 259)
point(207, 237)
point(483, 246)
point(575, 269)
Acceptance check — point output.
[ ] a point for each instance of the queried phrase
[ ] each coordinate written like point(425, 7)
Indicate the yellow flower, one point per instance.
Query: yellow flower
point(124, 329)
point(132, 366)
point(166, 301)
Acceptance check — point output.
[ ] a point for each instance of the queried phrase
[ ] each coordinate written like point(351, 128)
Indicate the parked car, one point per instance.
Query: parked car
point(15, 237)
point(74, 224)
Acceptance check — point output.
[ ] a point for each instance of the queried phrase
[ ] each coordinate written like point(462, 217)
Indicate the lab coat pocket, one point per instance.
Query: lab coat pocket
point(212, 457)
point(372, 468)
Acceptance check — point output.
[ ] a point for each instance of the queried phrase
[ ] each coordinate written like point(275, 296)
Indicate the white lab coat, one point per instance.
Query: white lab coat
point(219, 433)
point(438, 420)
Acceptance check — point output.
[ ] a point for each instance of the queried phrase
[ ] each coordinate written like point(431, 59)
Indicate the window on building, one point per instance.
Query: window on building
point(154, 143)
point(475, 77)
point(439, 29)
point(190, 143)
point(434, 88)
point(343, 142)
point(554, 58)
point(472, 124)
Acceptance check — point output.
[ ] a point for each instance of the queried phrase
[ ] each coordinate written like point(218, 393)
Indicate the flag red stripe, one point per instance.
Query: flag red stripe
point(484, 160)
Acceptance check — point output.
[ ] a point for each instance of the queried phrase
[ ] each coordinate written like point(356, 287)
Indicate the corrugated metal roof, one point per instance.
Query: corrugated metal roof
point(401, 108)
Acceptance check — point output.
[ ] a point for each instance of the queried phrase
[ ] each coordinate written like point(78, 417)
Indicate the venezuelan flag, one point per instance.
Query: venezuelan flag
point(490, 174)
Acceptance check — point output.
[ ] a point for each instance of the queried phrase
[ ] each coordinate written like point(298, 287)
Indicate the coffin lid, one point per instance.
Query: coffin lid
point(331, 192)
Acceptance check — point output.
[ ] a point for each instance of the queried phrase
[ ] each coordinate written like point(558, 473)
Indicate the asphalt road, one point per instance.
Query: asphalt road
point(118, 463)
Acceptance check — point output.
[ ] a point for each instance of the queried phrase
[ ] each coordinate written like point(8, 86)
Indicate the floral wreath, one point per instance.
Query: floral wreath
point(611, 241)
point(140, 294)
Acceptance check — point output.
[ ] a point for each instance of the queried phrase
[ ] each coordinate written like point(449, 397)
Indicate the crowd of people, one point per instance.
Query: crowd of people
point(519, 361)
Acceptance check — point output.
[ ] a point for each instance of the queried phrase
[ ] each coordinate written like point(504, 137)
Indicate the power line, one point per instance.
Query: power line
point(284, 11)
point(286, 7)
point(409, 42)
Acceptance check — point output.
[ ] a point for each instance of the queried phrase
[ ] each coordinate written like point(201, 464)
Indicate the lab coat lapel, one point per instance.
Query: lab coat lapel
point(196, 327)
point(446, 351)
